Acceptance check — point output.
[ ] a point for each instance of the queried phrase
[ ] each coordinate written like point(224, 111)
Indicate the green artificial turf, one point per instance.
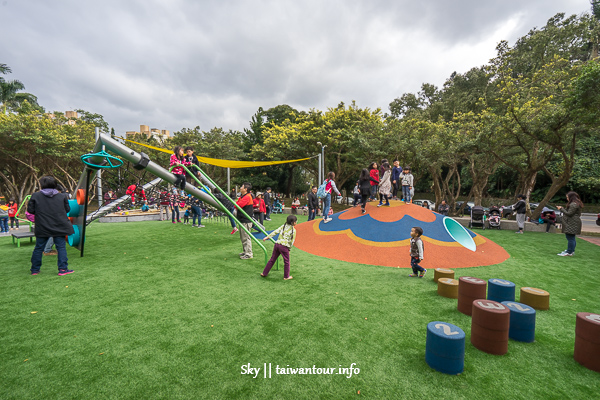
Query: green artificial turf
point(156, 310)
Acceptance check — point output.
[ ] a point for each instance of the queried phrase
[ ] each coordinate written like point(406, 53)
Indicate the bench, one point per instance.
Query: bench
point(20, 235)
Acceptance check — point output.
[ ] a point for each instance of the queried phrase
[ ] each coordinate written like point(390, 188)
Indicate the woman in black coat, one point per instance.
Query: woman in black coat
point(571, 222)
point(50, 208)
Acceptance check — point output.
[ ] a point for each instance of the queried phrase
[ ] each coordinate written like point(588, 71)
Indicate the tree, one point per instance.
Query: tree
point(35, 144)
point(10, 98)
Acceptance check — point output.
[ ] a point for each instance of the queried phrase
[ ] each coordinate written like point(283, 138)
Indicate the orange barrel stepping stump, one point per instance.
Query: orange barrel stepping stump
point(500, 290)
point(442, 273)
point(445, 347)
point(587, 340)
point(448, 287)
point(490, 326)
point(522, 321)
point(536, 298)
point(469, 289)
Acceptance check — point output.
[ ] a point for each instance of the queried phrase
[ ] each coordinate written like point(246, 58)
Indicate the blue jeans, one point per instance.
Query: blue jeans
point(406, 193)
point(196, 212)
point(571, 243)
point(231, 218)
point(49, 245)
point(3, 224)
point(414, 263)
point(174, 210)
point(312, 213)
point(326, 205)
point(40, 243)
point(373, 191)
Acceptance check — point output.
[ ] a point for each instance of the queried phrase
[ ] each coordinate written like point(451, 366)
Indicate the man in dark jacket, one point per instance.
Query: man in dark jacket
point(50, 208)
point(313, 203)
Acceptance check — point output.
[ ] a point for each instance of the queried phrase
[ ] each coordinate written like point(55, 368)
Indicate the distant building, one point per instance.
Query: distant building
point(71, 115)
point(158, 134)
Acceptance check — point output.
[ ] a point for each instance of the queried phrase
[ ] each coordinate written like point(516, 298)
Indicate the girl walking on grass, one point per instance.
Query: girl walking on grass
point(287, 235)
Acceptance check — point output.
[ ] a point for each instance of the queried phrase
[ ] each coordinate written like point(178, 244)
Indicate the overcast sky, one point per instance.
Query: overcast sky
point(184, 63)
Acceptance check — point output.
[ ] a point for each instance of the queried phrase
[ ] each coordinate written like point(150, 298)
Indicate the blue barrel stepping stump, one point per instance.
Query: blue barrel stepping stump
point(522, 321)
point(500, 290)
point(445, 348)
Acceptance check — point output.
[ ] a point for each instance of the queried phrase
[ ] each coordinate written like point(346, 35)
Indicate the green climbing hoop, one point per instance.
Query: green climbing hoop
point(108, 163)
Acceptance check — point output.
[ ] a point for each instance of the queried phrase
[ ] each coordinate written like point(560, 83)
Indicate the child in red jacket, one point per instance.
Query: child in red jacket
point(12, 213)
point(260, 208)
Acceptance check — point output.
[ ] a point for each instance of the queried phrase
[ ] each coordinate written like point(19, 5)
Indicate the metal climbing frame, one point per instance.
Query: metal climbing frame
point(212, 185)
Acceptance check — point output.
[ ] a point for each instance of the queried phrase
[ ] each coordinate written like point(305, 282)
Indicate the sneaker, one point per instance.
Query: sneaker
point(329, 219)
point(34, 273)
point(379, 205)
point(387, 204)
point(194, 225)
point(178, 221)
point(364, 211)
point(245, 257)
point(267, 219)
point(569, 254)
point(326, 220)
point(174, 222)
point(413, 276)
point(562, 253)
point(422, 274)
point(234, 231)
point(65, 272)
point(201, 226)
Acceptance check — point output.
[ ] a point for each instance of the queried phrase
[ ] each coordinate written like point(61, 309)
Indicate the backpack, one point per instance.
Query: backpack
point(321, 192)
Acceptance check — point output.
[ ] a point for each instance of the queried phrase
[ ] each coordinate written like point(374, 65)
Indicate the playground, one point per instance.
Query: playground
point(161, 310)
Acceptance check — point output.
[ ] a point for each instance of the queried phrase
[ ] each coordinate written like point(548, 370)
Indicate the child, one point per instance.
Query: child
point(196, 212)
point(385, 185)
point(50, 208)
point(186, 215)
point(12, 213)
point(407, 184)
point(396, 172)
point(374, 173)
point(416, 252)
point(136, 190)
point(287, 235)
point(295, 205)
point(178, 158)
point(3, 218)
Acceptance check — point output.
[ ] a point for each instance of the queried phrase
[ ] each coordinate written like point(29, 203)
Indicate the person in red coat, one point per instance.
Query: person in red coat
point(374, 174)
point(136, 189)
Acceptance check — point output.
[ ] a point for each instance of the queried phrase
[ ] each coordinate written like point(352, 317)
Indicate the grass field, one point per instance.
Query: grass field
point(156, 310)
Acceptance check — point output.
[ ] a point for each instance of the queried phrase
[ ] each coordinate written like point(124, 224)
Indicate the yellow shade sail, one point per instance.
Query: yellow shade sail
point(225, 163)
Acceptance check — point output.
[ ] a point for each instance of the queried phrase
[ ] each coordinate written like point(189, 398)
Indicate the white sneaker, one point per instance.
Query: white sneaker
point(563, 253)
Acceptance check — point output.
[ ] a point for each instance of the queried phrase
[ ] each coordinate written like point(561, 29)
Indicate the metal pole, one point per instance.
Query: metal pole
point(228, 180)
point(320, 177)
point(98, 177)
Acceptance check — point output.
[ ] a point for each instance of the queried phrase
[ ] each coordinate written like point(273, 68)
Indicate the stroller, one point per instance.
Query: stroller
point(494, 217)
point(477, 217)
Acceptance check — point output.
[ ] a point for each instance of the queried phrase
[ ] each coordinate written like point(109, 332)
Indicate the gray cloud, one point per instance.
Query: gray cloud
point(185, 63)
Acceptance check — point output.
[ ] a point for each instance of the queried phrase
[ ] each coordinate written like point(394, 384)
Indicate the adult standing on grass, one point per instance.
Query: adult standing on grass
point(329, 187)
point(520, 207)
point(50, 208)
point(571, 223)
point(245, 202)
point(313, 203)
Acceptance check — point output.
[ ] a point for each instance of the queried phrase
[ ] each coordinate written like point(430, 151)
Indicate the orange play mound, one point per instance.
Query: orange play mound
point(382, 235)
